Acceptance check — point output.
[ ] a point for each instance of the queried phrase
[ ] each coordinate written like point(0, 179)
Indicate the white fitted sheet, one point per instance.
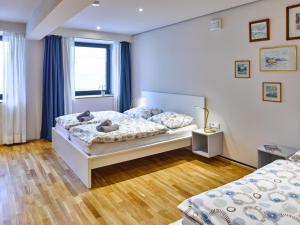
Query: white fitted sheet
point(106, 148)
point(189, 221)
point(185, 221)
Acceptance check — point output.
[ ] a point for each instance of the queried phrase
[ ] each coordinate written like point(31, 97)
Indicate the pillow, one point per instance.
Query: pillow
point(295, 157)
point(172, 120)
point(142, 112)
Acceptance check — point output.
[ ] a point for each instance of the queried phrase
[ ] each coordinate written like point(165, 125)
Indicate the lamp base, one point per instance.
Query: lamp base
point(210, 130)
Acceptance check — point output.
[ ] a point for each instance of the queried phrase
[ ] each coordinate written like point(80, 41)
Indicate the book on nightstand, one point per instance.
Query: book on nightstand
point(272, 148)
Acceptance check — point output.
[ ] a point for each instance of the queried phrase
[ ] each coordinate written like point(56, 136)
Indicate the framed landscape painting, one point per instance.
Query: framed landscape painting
point(278, 59)
point(272, 91)
point(259, 30)
point(293, 22)
point(242, 69)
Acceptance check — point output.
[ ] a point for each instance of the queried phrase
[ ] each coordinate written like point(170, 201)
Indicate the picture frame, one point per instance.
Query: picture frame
point(259, 30)
point(272, 92)
point(242, 69)
point(293, 22)
point(278, 59)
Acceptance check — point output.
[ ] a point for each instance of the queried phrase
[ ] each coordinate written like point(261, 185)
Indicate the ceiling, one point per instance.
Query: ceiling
point(122, 16)
point(17, 10)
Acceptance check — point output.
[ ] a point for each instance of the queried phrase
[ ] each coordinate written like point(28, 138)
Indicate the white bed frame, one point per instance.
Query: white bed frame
point(82, 164)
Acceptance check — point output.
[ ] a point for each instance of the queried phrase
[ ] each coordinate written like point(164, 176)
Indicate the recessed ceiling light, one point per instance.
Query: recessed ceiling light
point(98, 28)
point(141, 9)
point(96, 3)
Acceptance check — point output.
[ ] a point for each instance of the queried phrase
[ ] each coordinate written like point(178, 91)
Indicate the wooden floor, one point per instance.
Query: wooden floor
point(36, 187)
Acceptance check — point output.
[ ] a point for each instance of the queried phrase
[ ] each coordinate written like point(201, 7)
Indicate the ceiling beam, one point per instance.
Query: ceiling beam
point(51, 14)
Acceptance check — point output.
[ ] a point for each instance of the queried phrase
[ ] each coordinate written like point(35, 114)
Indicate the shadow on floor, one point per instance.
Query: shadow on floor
point(109, 175)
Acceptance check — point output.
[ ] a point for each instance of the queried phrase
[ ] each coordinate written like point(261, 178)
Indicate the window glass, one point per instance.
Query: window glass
point(91, 69)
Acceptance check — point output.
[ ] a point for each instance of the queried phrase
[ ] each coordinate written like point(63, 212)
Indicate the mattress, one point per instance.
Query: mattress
point(106, 148)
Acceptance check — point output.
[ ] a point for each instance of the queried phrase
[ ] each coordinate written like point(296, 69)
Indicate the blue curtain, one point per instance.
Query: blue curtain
point(125, 77)
point(53, 85)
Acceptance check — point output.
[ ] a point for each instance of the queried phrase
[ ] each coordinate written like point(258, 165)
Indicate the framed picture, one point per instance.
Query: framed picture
point(278, 59)
point(259, 30)
point(293, 22)
point(242, 69)
point(272, 91)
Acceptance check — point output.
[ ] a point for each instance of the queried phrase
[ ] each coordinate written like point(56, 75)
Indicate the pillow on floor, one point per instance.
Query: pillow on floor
point(142, 112)
point(172, 120)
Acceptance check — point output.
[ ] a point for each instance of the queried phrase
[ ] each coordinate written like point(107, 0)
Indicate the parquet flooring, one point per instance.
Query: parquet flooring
point(36, 187)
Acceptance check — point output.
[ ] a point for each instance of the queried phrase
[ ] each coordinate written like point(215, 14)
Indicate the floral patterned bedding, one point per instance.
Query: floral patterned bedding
point(69, 121)
point(270, 195)
point(129, 129)
point(142, 112)
point(172, 120)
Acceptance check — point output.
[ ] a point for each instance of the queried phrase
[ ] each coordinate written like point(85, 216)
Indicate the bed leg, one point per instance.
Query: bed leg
point(89, 179)
point(86, 177)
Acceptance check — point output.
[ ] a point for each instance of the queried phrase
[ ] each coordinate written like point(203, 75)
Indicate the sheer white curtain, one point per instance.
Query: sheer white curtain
point(14, 90)
point(68, 45)
point(116, 60)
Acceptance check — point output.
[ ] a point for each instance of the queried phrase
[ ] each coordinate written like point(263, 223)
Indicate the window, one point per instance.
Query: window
point(92, 68)
point(1, 68)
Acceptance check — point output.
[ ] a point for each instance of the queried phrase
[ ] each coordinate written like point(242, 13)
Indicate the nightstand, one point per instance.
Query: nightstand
point(265, 157)
point(207, 144)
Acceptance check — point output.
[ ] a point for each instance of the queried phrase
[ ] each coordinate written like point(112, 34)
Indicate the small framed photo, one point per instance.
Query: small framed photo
point(272, 91)
point(242, 69)
point(278, 59)
point(293, 22)
point(259, 30)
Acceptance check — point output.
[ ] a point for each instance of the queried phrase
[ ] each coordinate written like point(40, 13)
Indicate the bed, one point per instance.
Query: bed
point(270, 195)
point(82, 157)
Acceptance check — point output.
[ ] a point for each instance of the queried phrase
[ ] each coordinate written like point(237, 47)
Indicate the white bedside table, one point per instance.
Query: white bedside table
point(207, 144)
point(265, 157)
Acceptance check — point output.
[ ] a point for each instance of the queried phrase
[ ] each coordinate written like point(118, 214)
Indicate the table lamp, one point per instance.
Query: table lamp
point(207, 129)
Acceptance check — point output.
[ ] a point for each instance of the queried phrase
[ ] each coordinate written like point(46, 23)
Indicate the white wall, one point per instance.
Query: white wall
point(10, 26)
point(93, 104)
point(34, 75)
point(98, 35)
point(187, 58)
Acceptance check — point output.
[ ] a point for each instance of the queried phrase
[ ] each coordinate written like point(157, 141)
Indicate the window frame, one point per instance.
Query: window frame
point(108, 67)
point(1, 95)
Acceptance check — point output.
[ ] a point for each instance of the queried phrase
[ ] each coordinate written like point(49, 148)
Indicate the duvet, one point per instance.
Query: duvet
point(270, 195)
point(129, 129)
point(69, 121)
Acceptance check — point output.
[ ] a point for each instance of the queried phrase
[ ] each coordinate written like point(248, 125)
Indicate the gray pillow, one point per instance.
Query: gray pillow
point(172, 120)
